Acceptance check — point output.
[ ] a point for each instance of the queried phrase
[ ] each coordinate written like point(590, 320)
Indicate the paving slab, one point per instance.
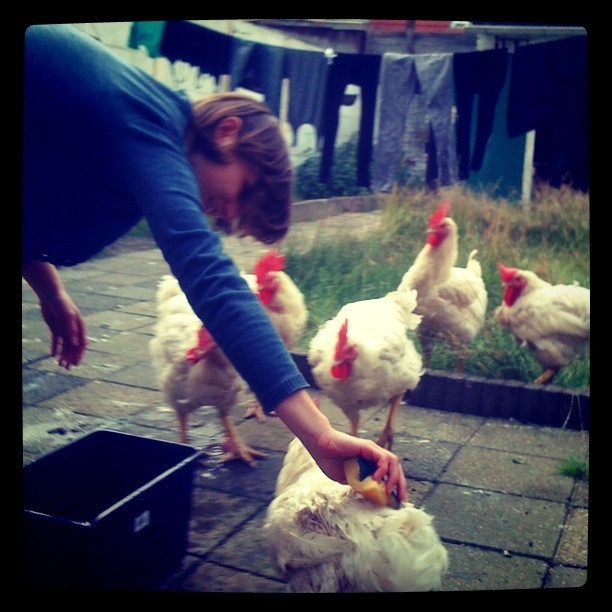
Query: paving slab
point(38, 386)
point(140, 373)
point(423, 458)
point(562, 577)
point(147, 307)
point(496, 520)
point(90, 303)
point(476, 569)
point(117, 320)
point(429, 423)
point(47, 429)
point(133, 345)
point(573, 549)
point(509, 520)
point(531, 439)
point(213, 578)
point(215, 516)
point(95, 365)
point(509, 472)
point(246, 548)
point(104, 399)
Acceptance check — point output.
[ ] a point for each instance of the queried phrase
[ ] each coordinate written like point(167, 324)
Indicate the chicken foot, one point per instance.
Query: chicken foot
point(235, 448)
point(254, 409)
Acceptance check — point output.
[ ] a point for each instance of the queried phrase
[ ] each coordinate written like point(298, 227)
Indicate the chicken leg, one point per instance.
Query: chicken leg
point(386, 437)
point(546, 376)
point(427, 346)
point(235, 448)
point(182, 423)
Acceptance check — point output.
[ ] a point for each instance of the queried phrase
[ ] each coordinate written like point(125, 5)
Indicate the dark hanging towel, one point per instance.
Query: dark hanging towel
point(259, 67)
point(349, 69)
point(148, 34)
point(307, 73)
point(198, 46)
point(549, 93)
point(477, 74)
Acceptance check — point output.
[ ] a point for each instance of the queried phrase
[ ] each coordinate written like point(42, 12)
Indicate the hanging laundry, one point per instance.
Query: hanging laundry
point(147, 34)
point(259, 67)
point(402, 78)
point(197, 45)
point(307, 74)
point(549, 93)
point(349, 69)
point(481, 75)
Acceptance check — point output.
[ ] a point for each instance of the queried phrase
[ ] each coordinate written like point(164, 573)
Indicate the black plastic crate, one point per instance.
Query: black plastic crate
point(108, 511)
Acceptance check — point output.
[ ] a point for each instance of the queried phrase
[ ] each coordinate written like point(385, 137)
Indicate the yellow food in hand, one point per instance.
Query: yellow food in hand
point(358, 473)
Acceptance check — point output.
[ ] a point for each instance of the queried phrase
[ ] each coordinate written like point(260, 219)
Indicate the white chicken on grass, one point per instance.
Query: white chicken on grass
point(552, 321)
point(193, 371)
point(451, 300)
point(363, 357)
point(283, 301)
point(323, 537)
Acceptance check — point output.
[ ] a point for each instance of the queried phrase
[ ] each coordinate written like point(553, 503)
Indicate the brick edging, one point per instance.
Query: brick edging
point(506, 399)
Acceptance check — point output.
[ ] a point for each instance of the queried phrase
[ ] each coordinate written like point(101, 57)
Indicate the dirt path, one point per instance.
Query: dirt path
point(302, 235)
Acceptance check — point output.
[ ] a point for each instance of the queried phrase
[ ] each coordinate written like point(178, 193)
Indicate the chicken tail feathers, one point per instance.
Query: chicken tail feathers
point(168, 287)
point(407, 301)
point(473, 264)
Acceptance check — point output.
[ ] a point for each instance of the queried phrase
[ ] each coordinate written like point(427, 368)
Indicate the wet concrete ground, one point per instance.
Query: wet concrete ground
point(509, 520)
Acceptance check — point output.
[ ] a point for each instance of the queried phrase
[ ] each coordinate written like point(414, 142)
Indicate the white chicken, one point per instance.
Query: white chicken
point(552, 321)
point(363, 357)
point(451, 300)
point(280, 296)
point(324, 537)
point(283, 301)
point(192, 369)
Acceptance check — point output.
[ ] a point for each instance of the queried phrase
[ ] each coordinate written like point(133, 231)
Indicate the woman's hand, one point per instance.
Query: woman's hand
point(67, 327)
point(63, 318)
point(334, 448)
point(331, 448)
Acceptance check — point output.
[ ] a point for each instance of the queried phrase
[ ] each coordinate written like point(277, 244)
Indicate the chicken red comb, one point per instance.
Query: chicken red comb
point(342, 339)
point(439, 214)
point(507, 274)
point(272, 261)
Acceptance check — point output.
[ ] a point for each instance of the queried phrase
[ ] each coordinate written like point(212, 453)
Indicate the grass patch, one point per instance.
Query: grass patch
point(575, 467)
point(141, 230)
point(550, 237)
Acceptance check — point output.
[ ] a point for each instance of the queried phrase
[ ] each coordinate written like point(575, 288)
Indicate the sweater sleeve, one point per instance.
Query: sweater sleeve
point(211, 281)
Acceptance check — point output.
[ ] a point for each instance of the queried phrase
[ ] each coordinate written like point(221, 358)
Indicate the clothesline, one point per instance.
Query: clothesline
point(545, 81)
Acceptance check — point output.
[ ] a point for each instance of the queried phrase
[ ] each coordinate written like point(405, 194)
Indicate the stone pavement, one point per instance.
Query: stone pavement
point(509, 520)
